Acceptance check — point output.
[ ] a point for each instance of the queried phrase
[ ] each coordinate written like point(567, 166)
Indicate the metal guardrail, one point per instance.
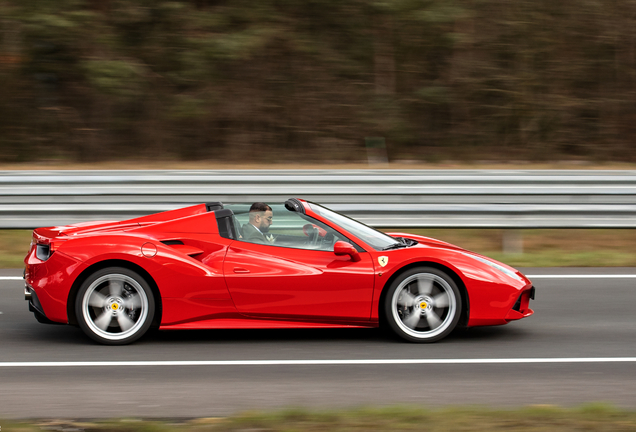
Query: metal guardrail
point(385, 198)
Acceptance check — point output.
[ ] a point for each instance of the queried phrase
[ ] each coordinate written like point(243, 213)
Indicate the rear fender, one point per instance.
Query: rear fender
point(89, 270)
point(173, 273)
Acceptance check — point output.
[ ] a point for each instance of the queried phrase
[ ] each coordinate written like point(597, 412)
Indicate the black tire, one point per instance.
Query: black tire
point(423, 305)
point(115, 306)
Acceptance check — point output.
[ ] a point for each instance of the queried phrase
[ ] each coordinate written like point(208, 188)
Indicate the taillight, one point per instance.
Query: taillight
point(45, 246)
point(43, 251)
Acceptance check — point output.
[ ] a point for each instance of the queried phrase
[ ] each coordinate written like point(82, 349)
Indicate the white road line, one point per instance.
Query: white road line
point(590, 276)
point(322, 362)
point(11, 278)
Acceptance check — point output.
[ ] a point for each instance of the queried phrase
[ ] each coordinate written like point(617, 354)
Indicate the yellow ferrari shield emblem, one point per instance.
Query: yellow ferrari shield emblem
point(383, 260)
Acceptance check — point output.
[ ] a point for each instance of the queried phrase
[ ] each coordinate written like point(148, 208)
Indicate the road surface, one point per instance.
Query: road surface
point(580, 346)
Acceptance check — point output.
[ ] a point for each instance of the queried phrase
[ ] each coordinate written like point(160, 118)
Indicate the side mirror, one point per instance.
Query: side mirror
point(343, 248)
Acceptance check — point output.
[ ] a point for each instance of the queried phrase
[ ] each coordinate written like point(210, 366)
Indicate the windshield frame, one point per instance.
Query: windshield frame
point(375, 239)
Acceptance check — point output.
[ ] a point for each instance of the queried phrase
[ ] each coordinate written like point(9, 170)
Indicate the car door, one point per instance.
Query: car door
point(294, 280)
point(281, 282)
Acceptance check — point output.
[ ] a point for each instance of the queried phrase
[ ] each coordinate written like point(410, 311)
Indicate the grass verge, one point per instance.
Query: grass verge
point(14, 245)
point(547, 247)
point(541, 247)
point(596, 417)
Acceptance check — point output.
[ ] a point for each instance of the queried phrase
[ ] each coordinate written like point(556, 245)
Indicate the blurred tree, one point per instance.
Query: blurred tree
point(284, 79)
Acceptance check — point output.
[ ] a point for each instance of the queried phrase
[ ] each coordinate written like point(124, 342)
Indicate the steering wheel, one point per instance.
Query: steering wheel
point(307, 228)
point(317, 236)
point(328, 241)
point(312, 236)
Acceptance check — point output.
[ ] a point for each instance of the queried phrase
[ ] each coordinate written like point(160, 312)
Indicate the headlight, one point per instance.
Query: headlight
point(494, 265)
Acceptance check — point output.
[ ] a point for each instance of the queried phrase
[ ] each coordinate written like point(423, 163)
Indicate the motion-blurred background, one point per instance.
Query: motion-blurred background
point(317, 80)
point(303, 93)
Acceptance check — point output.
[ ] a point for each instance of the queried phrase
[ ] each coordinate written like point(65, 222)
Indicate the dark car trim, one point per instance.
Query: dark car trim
point(295, 205)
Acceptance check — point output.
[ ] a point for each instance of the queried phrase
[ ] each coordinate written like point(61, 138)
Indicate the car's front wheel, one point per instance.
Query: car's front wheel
point(115, 306)
point(423, 305)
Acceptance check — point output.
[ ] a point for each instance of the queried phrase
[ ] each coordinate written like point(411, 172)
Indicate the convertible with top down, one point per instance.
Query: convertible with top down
point(199, 267)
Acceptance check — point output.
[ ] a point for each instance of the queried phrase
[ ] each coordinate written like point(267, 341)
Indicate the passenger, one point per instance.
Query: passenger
point(256, 230)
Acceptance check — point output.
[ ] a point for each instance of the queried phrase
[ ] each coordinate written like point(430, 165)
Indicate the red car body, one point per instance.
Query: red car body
point(201, 279)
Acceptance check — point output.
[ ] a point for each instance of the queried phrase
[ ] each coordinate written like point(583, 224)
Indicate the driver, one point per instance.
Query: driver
point(256, 230)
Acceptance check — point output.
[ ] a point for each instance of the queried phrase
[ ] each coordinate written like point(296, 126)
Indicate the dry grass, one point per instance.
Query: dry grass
point(539, 240)
point(394, 419)
point(14, 245)
point(548, 247)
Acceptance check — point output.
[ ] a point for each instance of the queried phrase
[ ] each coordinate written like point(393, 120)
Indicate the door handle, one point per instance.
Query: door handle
point(240, 270)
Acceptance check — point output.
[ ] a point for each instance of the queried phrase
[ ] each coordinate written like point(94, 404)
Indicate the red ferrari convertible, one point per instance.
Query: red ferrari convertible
point(290, 265)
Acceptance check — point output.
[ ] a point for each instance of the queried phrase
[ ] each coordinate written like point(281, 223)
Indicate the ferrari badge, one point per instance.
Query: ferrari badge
point(383, 260)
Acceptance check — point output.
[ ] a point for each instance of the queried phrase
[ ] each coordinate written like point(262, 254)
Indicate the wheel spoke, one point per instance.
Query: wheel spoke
point(115, 287)
point(124, 321)
point(117, 307)
point(432, 319)
point(440, 300)
point(424, 285)
point(406, 298)
point(132, 302)
point(103, 320)
point(97, 299)
point(412, 320)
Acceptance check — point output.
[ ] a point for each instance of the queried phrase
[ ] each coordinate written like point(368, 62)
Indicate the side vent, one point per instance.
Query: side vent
point(172, 242)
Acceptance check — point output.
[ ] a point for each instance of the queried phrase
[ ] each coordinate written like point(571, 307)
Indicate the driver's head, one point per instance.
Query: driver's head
point(261, 216)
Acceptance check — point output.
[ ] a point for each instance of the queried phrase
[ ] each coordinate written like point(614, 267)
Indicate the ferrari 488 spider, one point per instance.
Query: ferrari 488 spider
point(290, 265)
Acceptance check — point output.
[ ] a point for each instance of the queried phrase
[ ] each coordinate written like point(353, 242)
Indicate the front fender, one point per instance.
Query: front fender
point(491, 292)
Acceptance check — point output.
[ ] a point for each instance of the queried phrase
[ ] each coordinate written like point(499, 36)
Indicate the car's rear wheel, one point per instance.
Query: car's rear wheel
point(115, 306)
point(423, 305)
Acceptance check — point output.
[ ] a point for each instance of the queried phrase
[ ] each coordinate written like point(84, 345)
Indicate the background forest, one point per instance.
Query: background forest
point(264, 80)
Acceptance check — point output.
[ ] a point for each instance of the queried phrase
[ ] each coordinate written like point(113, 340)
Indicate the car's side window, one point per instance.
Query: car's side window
point(285, 229)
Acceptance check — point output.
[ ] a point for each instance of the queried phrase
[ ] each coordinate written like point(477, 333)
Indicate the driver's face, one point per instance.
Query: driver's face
point(265, 220)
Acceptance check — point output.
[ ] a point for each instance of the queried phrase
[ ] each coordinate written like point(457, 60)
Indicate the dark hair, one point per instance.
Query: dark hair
point(260, 207)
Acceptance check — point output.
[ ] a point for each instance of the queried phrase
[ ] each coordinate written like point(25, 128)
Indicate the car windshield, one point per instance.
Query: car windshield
point(374, 238)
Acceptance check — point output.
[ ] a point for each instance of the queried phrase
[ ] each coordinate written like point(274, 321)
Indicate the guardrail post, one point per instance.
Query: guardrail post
point(376, 150)
point(512, 241)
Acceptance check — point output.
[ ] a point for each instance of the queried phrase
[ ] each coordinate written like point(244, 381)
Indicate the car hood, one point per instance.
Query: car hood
point(439, 244)
point(427, 241)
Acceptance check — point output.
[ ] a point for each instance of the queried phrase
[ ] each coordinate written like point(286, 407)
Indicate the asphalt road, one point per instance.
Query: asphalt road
point(574, 318)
